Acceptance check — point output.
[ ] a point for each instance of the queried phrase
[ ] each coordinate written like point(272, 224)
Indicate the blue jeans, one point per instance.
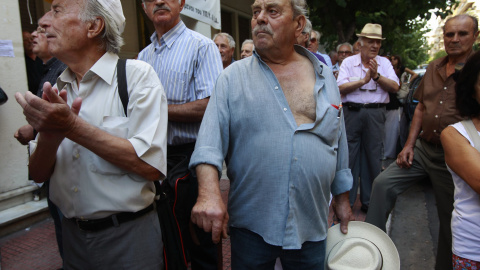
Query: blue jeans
point(250, 251)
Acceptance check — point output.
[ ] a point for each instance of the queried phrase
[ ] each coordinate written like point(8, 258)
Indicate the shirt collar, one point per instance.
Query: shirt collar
point(301, 50)
point(169, 37)
point(104, 68)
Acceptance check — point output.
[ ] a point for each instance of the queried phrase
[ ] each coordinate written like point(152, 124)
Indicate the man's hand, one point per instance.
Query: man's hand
point(210, 214)
point(24, 134)
point(343, 211)
point(405, 158)
point(50, 114)
point(367, 77)
point(373, 66)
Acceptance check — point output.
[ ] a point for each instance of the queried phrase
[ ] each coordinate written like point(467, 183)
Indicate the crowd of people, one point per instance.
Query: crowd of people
point(190, 107)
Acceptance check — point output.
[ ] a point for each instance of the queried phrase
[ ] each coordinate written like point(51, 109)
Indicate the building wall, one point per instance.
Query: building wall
point(13, 78)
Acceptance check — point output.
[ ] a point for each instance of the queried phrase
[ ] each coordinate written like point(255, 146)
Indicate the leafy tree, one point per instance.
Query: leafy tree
point(403, 23)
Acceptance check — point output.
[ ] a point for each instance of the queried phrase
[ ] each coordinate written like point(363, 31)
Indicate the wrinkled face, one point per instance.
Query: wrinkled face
point(40, 44)
point(64, 30)
point(225, 51)
point(459, 36)
point(370, 47)
point(344, 52)
point(247, 50)
point(273, 24)
point(313, 45)
point(163, 12)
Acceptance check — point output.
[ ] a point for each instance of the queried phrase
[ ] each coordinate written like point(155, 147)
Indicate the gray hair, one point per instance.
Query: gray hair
point(463, 16)
point(307, 28)
point(248, 41)
point(316, 34)
point(360, 41)
point(299, 7)
point(231, 41)
point(111, 38)
point(345, 44)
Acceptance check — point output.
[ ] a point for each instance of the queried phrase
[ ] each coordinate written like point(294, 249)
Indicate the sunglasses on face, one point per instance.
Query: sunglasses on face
point(344, 52)
point(313, 40)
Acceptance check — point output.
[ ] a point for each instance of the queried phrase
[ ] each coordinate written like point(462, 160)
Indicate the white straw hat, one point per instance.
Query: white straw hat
point(363, 247)
point(371, 30)
point(114, 8)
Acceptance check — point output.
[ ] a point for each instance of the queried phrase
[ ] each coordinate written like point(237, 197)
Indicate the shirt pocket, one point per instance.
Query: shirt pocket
point(118, 127)
point(175, 85)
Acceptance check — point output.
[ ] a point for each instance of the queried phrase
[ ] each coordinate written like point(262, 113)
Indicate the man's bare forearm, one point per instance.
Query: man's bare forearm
point(188, 112)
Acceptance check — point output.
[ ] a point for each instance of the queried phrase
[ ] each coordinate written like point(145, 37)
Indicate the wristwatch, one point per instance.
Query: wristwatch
point(378, 77)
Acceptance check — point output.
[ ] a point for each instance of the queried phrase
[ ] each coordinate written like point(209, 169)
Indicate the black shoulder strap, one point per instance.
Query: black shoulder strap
point(122, 82)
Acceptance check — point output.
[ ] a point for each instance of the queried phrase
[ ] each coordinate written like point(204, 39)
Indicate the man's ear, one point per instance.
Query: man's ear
point(182, 4)
point(95, 27)
point(301, 22)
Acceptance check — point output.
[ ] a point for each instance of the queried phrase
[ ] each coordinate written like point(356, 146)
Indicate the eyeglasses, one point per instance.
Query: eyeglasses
point(344, 52)
point(376, 86)
point(313, 40)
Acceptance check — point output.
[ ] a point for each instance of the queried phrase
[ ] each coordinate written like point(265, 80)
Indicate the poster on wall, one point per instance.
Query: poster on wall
point(207, 11)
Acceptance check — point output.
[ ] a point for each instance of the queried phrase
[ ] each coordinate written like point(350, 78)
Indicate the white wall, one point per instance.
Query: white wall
point(13, 78)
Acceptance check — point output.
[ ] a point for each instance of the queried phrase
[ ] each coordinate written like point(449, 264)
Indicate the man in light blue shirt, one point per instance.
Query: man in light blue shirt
point(188, 65)
point(277, 118)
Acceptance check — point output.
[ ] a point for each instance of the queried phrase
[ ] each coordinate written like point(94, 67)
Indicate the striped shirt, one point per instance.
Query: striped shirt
point(188, 65)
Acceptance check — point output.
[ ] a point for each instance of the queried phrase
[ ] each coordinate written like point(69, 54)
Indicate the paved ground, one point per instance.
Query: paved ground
point(413, 225)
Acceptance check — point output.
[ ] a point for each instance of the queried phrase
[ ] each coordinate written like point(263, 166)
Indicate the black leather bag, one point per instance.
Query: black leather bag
point(3, 96)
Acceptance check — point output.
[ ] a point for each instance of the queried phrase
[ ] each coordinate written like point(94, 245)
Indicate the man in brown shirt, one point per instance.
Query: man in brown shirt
point(423, 154)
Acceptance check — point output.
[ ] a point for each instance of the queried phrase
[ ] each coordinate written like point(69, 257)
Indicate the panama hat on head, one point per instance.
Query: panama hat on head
point(371, 30)
point(363, 247)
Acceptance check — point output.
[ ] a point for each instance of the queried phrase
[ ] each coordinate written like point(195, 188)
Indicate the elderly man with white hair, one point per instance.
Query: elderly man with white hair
point(314, 44)
point(101, 152)
point(364, 81)
point(247, 48)
point(344, 50)
point(226, 47)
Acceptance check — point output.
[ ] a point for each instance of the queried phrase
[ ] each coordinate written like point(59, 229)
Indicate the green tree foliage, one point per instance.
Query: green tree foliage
point(402, 22)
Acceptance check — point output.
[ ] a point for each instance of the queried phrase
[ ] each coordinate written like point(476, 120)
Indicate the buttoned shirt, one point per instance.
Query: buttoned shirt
point(51, 70)
point(188, 65)
point(437, 93)
point(352, 70)
point(281, 174)
point(84, 185)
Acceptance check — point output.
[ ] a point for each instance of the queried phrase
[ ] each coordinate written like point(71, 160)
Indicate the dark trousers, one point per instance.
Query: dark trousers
point(200, 247)
point(250, 251)
point(428, 161)
point(365, 130)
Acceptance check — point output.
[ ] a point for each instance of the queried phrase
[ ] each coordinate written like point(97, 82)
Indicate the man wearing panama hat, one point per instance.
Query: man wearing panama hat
point(365, 80)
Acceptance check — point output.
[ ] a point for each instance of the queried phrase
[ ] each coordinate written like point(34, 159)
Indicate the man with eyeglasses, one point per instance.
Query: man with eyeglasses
point(344, 50)
point(313, 47)
point(304, 39)
point(364, 81)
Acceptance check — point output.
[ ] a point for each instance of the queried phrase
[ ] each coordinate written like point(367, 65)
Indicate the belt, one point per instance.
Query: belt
point(363, 105)
point(110, 221)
